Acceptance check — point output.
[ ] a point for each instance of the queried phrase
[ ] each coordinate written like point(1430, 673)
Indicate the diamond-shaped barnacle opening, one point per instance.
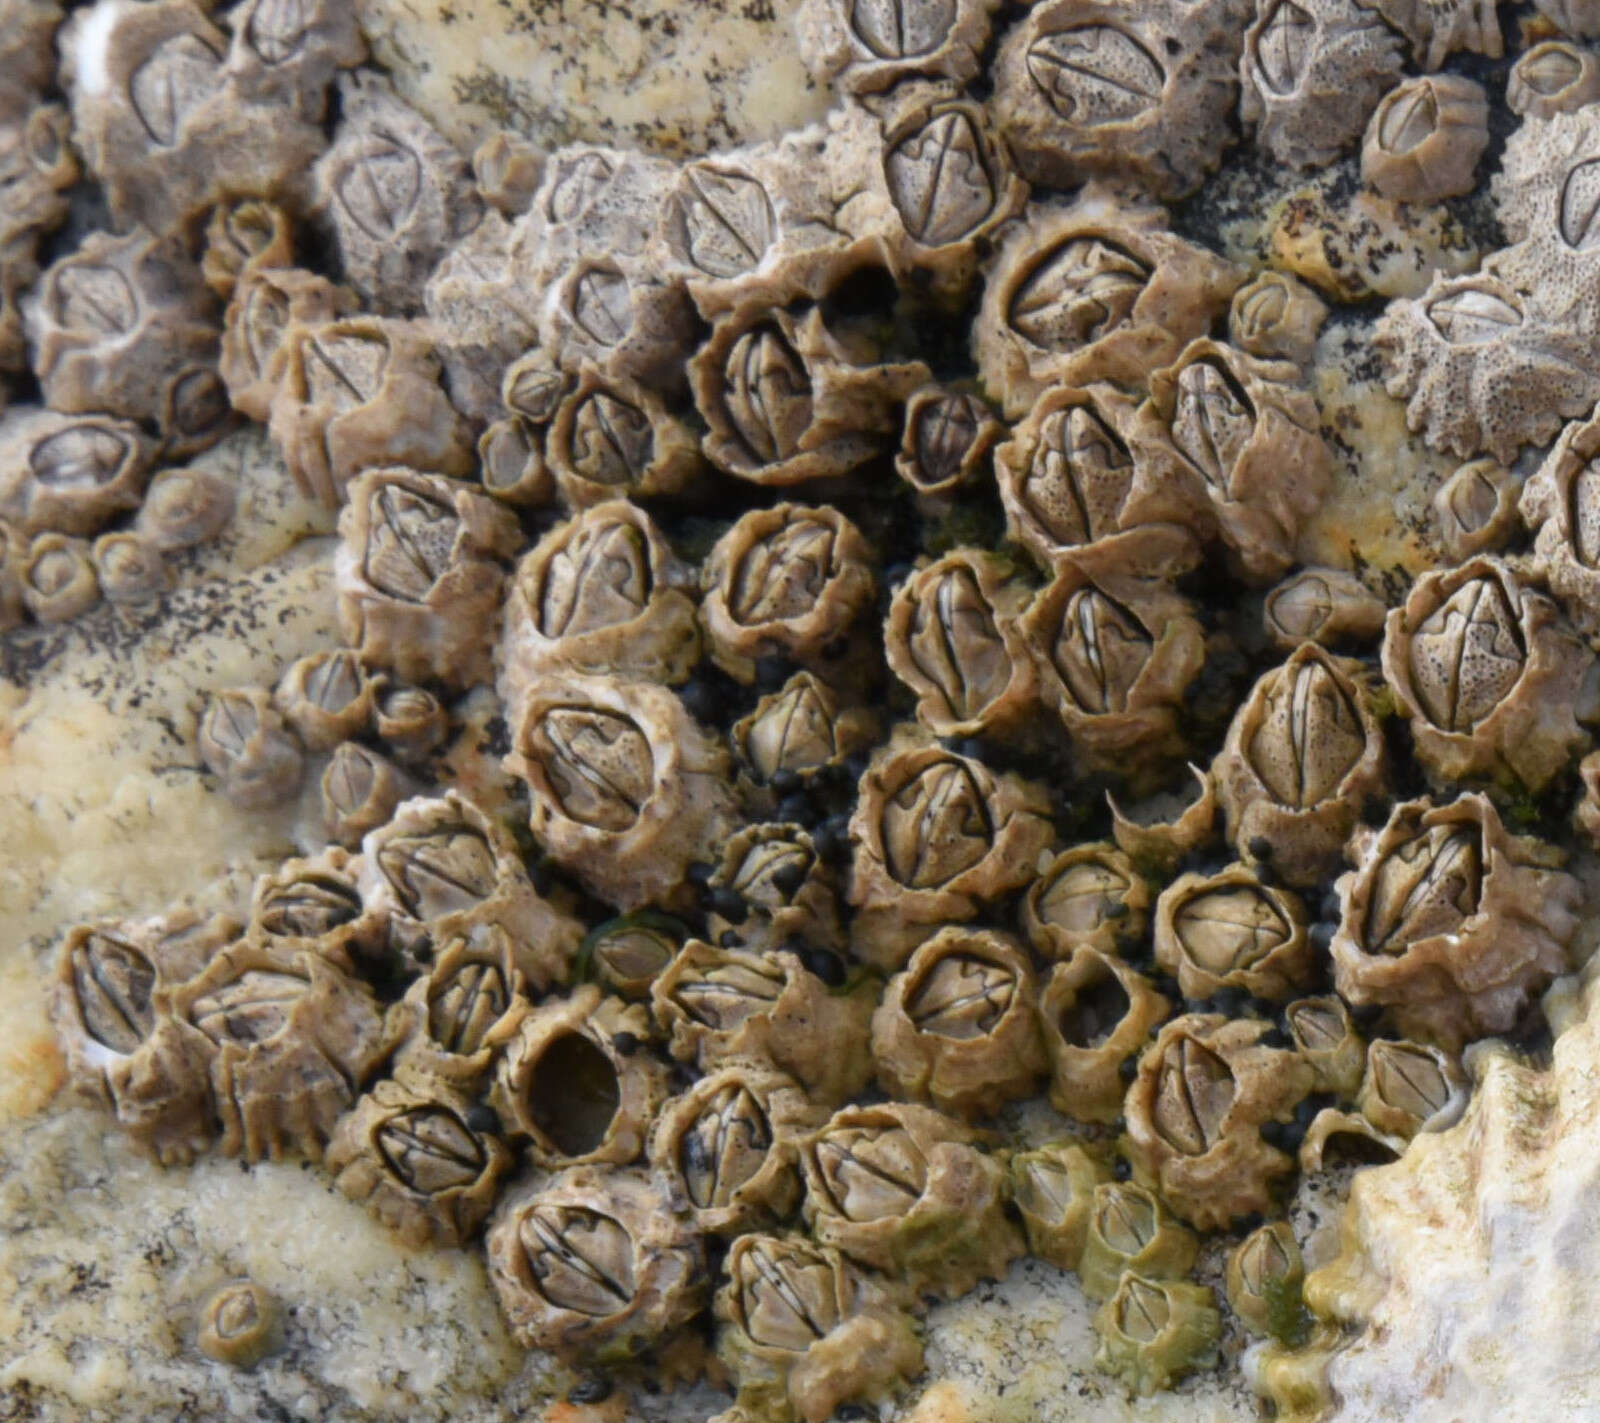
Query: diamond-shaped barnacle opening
point(580, 1259)
point(1469, 315)
point(1093, 74)
point(725, 1146)
point(901, 29)
point(252, 1007)
point(465, 1004)
point(720, 221)
point(868, 1172)
point(411, 541)
point(1094, 1010)
point(936, 825)
point(1099, 651)
point(1428, 885)
point(1195, 1091)
point(1077, 292)
point(308, 906)
point(448, 870)
point(1467, 655)
point(723, 991)
point(1213, 420)
point(785, 1292)
point(943, 176)
point(1310, 734)
point(599, 764)
point(961, 996)
point(429, 1150)
point(113, 984)
point(599, 578)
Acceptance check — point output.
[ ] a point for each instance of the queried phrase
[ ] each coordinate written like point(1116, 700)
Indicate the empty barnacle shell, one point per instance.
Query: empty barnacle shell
point(360, 790)
point(129, 568)
point(1095, 1012)
point(627, 789)
point(1276, 316)
point(1089, 895)
point(1129, 1229)
point(71, 473)
point(1425, 138)
point(620, 320)
point(245, 235)
point(595, 1266)
point(245, 744)
point(1326, 1038)
point(611, 437)
point(185, 506)
point(409, 1154)
point(1322, 605)
point(1437, 28)
point(1229, 930)
point(1553, 78)
point(1303, 754)
point(799, 730)
point(1450, 922)
point(1561, 504)
point(314, 904)
point(947, 440)
point(326, 698)
point(410, 721)
point(508, 169)
point(1334, 1135)
point(787, 892)
point(1095, 291)
point(626, 955)
point(905, 1190)
point(419, 574)
point(1195, 1110)
point(1411, 1087)
point(1476, 509)
point(266, 304)
point(1265, 1272)
point(1165, 828)
point(936, 836)
point(238, 1325)
point(1152, 1332)
point(731, 1146)
point(958, 1025)
point(1490, 675)
point(866, 46)
point(1053, 1189)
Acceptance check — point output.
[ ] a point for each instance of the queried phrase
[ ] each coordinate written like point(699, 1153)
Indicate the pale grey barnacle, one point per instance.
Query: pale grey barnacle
point(1152, 1332)
point(1053, 1189)
point(1326, 1038)
point(245, 235)
point(866, 46)
point(1276, 316)
point(265, 305)
point(1130, 1229)
point(238, 1324)
point(1476, 509)
point(1323, 605)
point(360, 790)
point(71, 473)
point(1411, 1087)
point(326, 698)
point(129, 567)
point(620, 319)
point(244, 743)
point(787, 891)
point(1553, 78)
point(1424, 140)
point(799, 730)
point(1095, 1013)
point(1089, 895)
point(612, 438)
point(1228, 930)
point(185, 506)
point(512, 464)
point(410, 721)
point(1561, 504)
point(946, 442)
point(508, 169)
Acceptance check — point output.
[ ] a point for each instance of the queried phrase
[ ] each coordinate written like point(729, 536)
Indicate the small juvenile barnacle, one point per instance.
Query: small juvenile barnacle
point(1053, 1188)
point(1411, 1087)
point(626, 955)
point(1161, 830)
point(866, 46)
point(1096, 1013)
point(946, 441)
point(799, 730)
point(1438, 28)
point(1425, 138)
point(1553, 78)
point(325, 697)
point(1276, 316)
point(612, 438)
point(245, 744)
point(245, 235)
point(1229, 930)
point(57, 578)
point(315, 904)
point(1152, 1332)
point(1476, 509)
point(71, 473)
point(787, 892)
point(12, 551)
point(1129, 1229)
point(1089, 895)
point(1450, 922)
point(1326, 606)
point(287, 52)
point(185, 506)
point(508, 169)
point(265, 305)
point(360, 790)
point(238, 1325)
point(129, 568)
point(1265, 1272)
point(512, 464)
point(410, 721)
point(958, 1025)
point(1326, 1038)
point(596, 1265)
point(419, 571)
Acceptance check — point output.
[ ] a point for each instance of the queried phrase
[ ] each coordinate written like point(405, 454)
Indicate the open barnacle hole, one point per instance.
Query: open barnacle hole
point(1337, 1137)
point(1130, 1230)
point(1326, 606)
point(1090, 895)
point(1152, 1332)
point(1157, 832)
point(1053, 1188)
point(1095, 1012)
point(1322, 1032)
point(787, 892)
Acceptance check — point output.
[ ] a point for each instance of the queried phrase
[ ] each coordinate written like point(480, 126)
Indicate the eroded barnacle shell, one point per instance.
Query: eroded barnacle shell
point(1165, 828)
point(37, 170)
point(799, 730)
point(129, 568)
point(936, 836)
point(408, 1153)
point(512, 464)
point(596, 1266)
point(1195, 1110)
point(1425, 138)
point(238, 1325)
point(508, 169)
point(611, 437)
point(1053, 1189)
point(1276, 316)
point(266, 304)
point(245, 235)
point(1411, 1087)
point(1322, 605)
point(185, 506)
point(360, 790)
point(905, 1190)
point(594, 201)
point(722, 1005)
point(1089, 895)
point(946, 442)
point(458, 1016)
point(419, 573)
point(866, 46)
point(1128, 1229)
point(314, 905)
point(622, 321)
point(627, 789)
point(410, 721)
point(787, 892)
point(71, 473)
point(325, 697)
point(1265, 1272)
point(1450, 922)
point(1229, 930)
point(731, 1146)
point(958, 1025)
point(1572, 17)
point(1095, 1012)
point(1334, 1135)
point(1476, 509)
point(1095, 291)
point(1437, 28)
point(1561, 503)
point(27, 53)
point(1312, 72)
point(1087, 89)
point(244, 743)
point(626, 955)
point(1489, 674)
point(1152, 1332)
point(1553, 78)
point(1326, 1038)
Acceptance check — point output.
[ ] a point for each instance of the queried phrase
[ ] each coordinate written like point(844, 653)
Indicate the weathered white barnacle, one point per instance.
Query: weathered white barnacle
point(1129, 1229)
point(1489, 673)
point(185, 506)
point(1425, 138)
point(1554, 77)
point(1265, 1272)
point(1152, 1332)
point(128, 567)
point(958, 1026)
point(1053, 1189)
point(1158, 832)
point(410, 721)
point(627, 789)
point(1450, 922)
point(239, 1325)
point(1095, 291)
point(946, 442)
point(1195, 1109)
point(1323, 605)
point(1090, 895)
point(1095, 1013)
point(419, 571)
point(325, 697)
point(409, 1153)
point(1276, 316)
point(266, 304)
point(1476, 509)
point(245, 235)
point(360, 789)
point(1326, 1038)
point(731, 1146)
point(1437, 28)
point(799, 730)
point(936, 836)
point(1229, 930)
point(905, 1189)
point(626, 955)
point(71, 473)
point(612, 437)
point(786, 890)
point(866, 46)
point(245, 744)
point(314, 904)
point(1411, 1087)
point(596, 1266)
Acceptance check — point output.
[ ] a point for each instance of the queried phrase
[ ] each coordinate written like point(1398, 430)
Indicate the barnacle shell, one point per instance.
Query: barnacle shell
point(12, 553)
point(1152, 1332)
point(38, 167)
point(1276, 316)
point(1265, 1272)
point(57, 578)
point(958, 1027)
point(1411, 1087)
point(789, 893)
point(511, 457)
point(1130, 1229)
point(1091, 895)
point(266, 304)
point(288, 55)
point(1326, 1038)
point(245, 235)
point(185, 506)
point(612, 437)
point(1322, 605)
point(360, 790)
point(1476, 508)
point(27, 53)
point(1229, 930)
point(1437, 28)
point(245, 744)
point(1553, 78)
point(1053, 1188)
point(314, 905)
point(129, 568)
point(1561, 504)
point(1450, 922)
point(621, 321)
point(71, 473)
point(1488, 673)
point(508, 169)
point(238, 1325)
point(625, 956)
point(1424, 140)
point(864, 46)
point(1573, 17)
point(410, 720)
point(1095, 1013)
point(1166, 829)
point(799, 730)
point(947, 440)
point(326, 698)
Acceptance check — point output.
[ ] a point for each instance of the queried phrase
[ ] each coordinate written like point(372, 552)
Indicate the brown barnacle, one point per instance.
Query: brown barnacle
point(1053, 1188)
point(1554, 77)
point(1091, 895)
point(1265, 1272)
point(362, 392)
point(419, 571)
point(730, 1146)
point(1195, 1109)
point(1249, 434)
point(801, 731)
point(360, 789)
point(1571, 17)
point(721, 1005)
point(613, 438)
point(627, 789)
point(787, 891)
point(326, 698)
point(1437, 28)
point(1325, 1037)
point(287, 52)
point(597, 1266)
point(1129, 1229)
point(1276, 316)
point(245, 235)
point(1229, 930)
point(238, 1325)
point(620, 320)
point(1411, 1087)
point(946, 442)
point(1094, 291)
point(936, 836)
point(1158, 832)
point(1586, 813)
point(1476, 509)
point(1424, 140)
point(789, 581)
point(1561, 504)
point(13, 549)
point(1490, 675)
point(72, 473)
point(129, 568)
point(867, 46)
point(958, 1026)
point(1303, 754)
point(511, 459)
point(267, 303)
point(905, 1190)
point(38, 168)
point(245, 744)
point(410, 721)
point(626, 955)
point(1450, 922)
point(315, 904)
point(508, 169)
point(185, 506)
point(409, 1154)
point(1152, 1332)
point(1323, 605)
point(1095, 1012)
point(458, 1016)
point(27, 53)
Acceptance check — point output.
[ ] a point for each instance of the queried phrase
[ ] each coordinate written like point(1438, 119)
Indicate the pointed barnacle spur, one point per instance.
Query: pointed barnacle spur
point(1228, 930)
point(595, 1266)
point(1096, 1012)
point(1424, 140)
point(801, 731)
point(1451, 923)
point(1561, 504)
point(866, 46)
point(789, 893)
point(1053, 1189)
point(1490, 674)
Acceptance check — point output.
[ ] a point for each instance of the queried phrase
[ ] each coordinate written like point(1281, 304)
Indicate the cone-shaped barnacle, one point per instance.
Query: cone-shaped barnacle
point(625, 956)
point(936, 836)
point(267, 303)
point(315, 904)
point(722, 1005)
point(801, 731)
point(597, 1266)
point(613, 438)
point(601, 593)
point(326, 698)
point(408, 1153)
point(1424, 140)
point(1229, 930)
point(444, 867)
point(185, 506)
point(1411, 1087)
point(512, 462)
point(621, 320)
point(1250, 433)
point(958, 1026)
point(245, 235)
point(1276, 316)
point(866, 46)
point(1561, 503)
point(1490, 675)
point(1265, 1272)
point(1553, 78)
point(360, 790)
point(787, 891)
point(952, 637)
point(627, 789)
point(905, 1190)
point(1090, 895)
point(789, 581)
point(1195, 1110)
point(1158, 832)
point(1097, 291)
point(731, 1146)
point(128, 567)
point(1437, 28)
point(1476, 509)
point(71, 473)
point(946, 442)
point(1152, 1332)
point(58, 579)
point(1450, 922)
point(1053, 1189)
point(245, 744)
point(1303, 754)
point(419, 573)
point(238, 1325)
point(1128, 1228)
point(1095, 1012)
point(803, 1330)
point(1323, 605)
point(1322, 1032)
point(410, 721)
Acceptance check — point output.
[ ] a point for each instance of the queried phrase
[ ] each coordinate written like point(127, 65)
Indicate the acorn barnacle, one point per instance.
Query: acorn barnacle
point(786, 891)
point(865, 46)
point(410, 721)
point(1091, 895)
point(244, 743)
point(129, 567)
point(947, 441)
point(267, 303)
point(185, 506)
point(1476, 509)
point(58, 579)
point(326, 698)
point(38, 167)
point(801, 731)
point(1561, 504)
point(1158, 832)
point(1325, 1037)
point(1053, 1188)
point(1411, 1087)
point(1553, 78)
point(315, 904)
point(1437, 28)
point(1152, 1332)
point(508, 169)
point(360, 789)
point(1275, 316)
point(1322, 605)
point(612, 437)
point(621, 321)
point(1096, 1012)
point(71, 473)
point(1424, 140)
point(245, 235)
point(626, 955)
point(1229, 930)
point(1128, 1228)
point(1450, 922)
point(238, 1325)
point(1265, 1272)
